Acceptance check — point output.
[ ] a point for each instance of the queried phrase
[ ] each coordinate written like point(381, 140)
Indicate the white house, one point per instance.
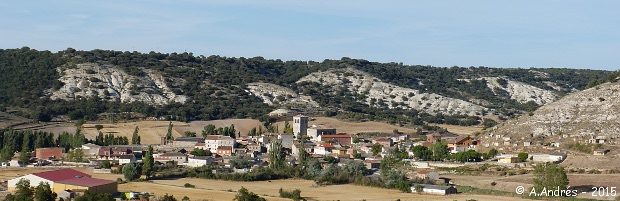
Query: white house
point(314, 132)
point(199, 161)
point(434, 189)
point(212, 142)
point(324, 149)
point(125, 159)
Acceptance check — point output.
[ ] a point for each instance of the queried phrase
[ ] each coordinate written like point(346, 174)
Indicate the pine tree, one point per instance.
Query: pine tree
point(135, 138)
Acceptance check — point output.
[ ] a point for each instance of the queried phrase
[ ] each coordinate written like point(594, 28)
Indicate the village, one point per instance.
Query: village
point(426, 171)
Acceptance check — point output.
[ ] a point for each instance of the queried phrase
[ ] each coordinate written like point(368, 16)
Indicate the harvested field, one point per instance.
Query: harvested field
point(353, 127)
point(225, 190)
point(151, 131)
point(461, 130)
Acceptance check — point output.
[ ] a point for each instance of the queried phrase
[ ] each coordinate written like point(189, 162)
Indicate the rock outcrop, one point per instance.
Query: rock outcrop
point(111, 83)
point(577, 117)
point(378, 91)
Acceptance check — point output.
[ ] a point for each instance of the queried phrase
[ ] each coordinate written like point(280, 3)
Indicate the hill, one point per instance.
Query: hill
point(575, 118)
point(114, 85)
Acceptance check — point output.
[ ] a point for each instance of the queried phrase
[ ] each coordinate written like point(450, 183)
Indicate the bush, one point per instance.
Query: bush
point(493, 183)
point(188, 185)
point(294, 195)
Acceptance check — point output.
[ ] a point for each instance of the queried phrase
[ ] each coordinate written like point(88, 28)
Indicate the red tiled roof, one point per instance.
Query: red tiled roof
point(327, 145)
point(425, 171)
point(336, 136)
point(62, 174)
point(86, 181)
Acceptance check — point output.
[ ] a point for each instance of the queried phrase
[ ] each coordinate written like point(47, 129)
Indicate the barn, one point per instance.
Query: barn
point(67, 179)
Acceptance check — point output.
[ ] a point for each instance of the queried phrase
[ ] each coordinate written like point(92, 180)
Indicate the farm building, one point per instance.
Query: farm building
point(47, 153)
point(508, 159)
point(601, 152)
point(67, 179)
point(435, 189)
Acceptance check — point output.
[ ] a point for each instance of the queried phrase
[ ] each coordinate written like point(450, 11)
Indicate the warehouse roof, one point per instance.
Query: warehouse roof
point(86, 181)
point(62, 174)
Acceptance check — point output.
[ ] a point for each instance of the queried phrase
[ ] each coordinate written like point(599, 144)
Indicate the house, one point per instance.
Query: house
point(177, 157)
point(90, 149)
point(125, 159)
point(314, 132)
point(434, 189)
point(308, 147)
point(552, 158)
point(185, 142)
point(598, 139)
point(427, 175)
point(224, 150)
point(342, 139)
point(212, 142)
point(67, 179)
point(383, 141)
point(324, 149)
point(459, 144)
point(199, 161)
point(508, 159)
point(370, 164)
point(49, 153)
point(253, 147)
point(113, 153)
point(601, 152)
point(433, 138)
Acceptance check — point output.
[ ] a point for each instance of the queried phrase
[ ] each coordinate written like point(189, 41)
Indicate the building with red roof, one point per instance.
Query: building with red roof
point(67, 179)
point(342, 138)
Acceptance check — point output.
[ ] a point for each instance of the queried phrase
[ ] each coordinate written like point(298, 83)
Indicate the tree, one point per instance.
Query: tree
point(43, 192)
point(98, 127)
point(440, 151)
point(208, 130)
point(522, 156)
point(148, 163)
point(376, 149)
point(550, 176)
point(356, 140)
point(189, 134)
point(23, 192)
point(135, 138)
point(106, 164)
point(168, 198)
point(287, 127)
point(302, 154)
point(244, 195)
point(201, 152)
point(422, 152)
point(131, 172)
point(24, 156)
point(492, 153)
point(241, 161)
point(76, 155)
point(169, 133)
point(277, 155)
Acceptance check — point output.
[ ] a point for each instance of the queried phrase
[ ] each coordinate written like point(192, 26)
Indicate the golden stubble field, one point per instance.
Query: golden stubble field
point(151, 131)
point(225, 190)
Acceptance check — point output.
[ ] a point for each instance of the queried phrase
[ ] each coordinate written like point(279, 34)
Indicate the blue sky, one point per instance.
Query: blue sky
point(571, 34)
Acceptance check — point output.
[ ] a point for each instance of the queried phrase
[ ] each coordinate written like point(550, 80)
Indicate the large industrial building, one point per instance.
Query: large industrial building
point(67, 179)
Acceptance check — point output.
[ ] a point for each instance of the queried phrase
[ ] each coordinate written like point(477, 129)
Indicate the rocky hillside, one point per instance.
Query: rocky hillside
point(519, 91)
point(185, 87)
point(377, 92)
point(273, 94)
point(111, 83)
point(577, 117)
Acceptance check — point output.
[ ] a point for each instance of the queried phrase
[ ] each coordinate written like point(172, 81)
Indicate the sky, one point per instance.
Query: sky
point(516, 34)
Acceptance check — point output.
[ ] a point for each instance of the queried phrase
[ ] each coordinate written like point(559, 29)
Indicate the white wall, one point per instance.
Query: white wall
point(34, 180)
